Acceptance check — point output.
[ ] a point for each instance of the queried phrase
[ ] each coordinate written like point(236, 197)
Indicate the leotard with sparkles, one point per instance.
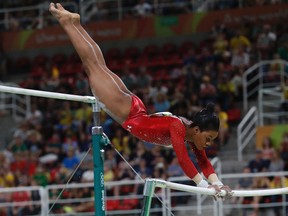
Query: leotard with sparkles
point(165, 129)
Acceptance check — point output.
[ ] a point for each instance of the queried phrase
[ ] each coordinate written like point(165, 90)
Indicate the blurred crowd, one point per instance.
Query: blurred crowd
point(54, 137)
point(268, 158)
point(37, 16)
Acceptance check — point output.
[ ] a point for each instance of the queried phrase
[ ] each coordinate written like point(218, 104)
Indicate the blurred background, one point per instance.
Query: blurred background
point(176, 55)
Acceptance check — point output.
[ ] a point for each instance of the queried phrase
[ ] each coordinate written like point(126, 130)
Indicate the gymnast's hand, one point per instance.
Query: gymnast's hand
point(218, 188)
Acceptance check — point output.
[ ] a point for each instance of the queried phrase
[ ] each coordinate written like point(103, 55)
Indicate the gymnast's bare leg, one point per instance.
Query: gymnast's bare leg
point(106, 86)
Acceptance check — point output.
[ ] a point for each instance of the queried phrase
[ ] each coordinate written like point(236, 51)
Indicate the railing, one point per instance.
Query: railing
point(207, 5)
point(41, 9)
point(19, 106)
point(255, 78)
point(171, 200)
point(269, 103)
point(246, 130)
point(116, 10)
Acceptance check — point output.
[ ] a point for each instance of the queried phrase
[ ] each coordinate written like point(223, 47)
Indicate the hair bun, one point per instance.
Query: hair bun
point(210, 107)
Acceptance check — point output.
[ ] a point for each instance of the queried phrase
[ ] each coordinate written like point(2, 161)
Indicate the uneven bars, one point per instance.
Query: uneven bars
point(97, 133)
point(54, 95)
point(210, 191)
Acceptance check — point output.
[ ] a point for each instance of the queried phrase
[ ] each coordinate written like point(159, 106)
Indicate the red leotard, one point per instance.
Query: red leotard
point(165, 130)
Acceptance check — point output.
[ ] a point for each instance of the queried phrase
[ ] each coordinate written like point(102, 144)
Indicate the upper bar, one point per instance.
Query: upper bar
point(54, 95)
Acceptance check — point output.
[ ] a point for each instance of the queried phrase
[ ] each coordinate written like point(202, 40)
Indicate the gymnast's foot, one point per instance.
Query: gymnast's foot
point(63, 16)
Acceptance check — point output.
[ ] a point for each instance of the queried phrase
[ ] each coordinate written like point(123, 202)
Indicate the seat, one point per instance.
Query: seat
point(150, 51)
point(37, 71)
point(131, 53)
point(66, 69)
point(40, 60)
point(23, 64)
point(168, 49)
point(113, 53)
point(185, 47)
point(73, 58)
point(112, 205)
point(171, 55)
point(234, 115)
point(58, 59)
point(113, 59)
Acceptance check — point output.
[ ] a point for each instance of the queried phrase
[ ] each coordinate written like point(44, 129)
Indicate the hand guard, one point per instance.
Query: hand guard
point(218, 186)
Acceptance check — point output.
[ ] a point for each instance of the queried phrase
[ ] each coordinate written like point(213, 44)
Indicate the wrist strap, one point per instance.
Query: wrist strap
point(218, 183)
point(203, 184)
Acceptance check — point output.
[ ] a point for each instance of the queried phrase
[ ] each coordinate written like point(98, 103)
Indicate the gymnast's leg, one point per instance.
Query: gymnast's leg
point(100, 56)
point(106, 86)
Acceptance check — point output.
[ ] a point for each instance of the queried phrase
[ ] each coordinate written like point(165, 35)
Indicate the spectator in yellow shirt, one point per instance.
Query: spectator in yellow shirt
point(224, 126)
point(240, 40)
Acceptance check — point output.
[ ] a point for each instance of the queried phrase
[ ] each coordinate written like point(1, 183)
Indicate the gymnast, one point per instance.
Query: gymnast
point(129, 111)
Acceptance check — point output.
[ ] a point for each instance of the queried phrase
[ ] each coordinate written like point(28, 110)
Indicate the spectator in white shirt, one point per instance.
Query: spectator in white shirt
point(143, 9)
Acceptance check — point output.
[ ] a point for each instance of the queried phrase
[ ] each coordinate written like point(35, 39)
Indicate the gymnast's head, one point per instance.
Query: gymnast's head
point(204, 127)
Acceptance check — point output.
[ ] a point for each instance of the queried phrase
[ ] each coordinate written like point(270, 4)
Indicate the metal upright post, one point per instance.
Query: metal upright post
point(149, 189)
point(98, 158)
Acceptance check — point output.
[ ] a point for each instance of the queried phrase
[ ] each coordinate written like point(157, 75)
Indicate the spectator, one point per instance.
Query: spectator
point(18, 146)
point(70, 144)
point(240, 40)
point(276, 163)
point(276, 182)
point(41, 176)
point(174, 169)
point(143, 80)
point(120, 141)
point(111, 159)
point(54, 145)
point(257, 164)
point(283, 48)
point(226, 92)
point(143, 9)
point(237, 81)
point(224, 125)
point(82, 117)
point(207, 91)
point(157, 88)
point(189, 58)
point(7, 177)
point(192, 79)
point(284, 150)
point(142, 169)
point(128, 77)
point(240, 58)
point(35, 117)
point(220, 45)
point(267, 149)
point(161, 104)
point(71, 161)
point(260, 183)
point(82, 85)
point(284, 103)
point(266, 42)
point(244, 183)
point(34, 142)
point(65, 116)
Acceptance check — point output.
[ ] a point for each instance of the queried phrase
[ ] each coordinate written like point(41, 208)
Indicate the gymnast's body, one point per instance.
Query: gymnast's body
point(161, 128)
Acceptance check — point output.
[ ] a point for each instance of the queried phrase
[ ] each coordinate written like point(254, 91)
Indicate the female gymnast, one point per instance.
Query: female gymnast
point(128, 110)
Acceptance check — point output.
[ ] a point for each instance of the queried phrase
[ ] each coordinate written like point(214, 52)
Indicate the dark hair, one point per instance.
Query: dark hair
point(206, 119)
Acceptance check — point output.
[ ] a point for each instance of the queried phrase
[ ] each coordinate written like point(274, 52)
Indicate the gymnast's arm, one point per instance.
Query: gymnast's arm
point(178, 131)
point(209, 172)
point(206, 166)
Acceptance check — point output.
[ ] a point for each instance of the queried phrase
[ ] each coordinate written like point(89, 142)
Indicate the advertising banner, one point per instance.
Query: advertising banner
point(157, 26)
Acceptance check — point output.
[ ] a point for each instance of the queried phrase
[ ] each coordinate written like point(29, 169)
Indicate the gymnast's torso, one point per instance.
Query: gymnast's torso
point(155, 128)
point(166, 130)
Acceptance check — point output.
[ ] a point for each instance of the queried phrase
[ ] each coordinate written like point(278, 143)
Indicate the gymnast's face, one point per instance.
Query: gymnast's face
point(203, 139)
